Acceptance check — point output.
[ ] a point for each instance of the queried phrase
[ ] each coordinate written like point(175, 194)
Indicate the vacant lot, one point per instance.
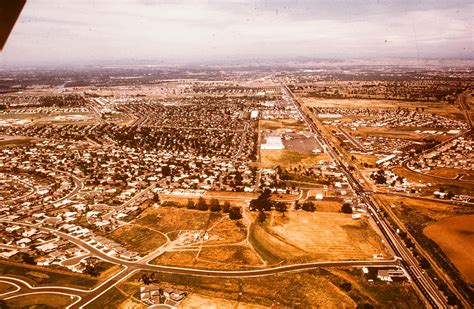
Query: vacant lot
point(229, 257)
point(5, 287)
point(320, 288)
point(292, 124)
point(196, 301)
point(285, 158)
point(40, 301)
point(451, 173)
point(318, 236)
point(138, 238)
point(40, 276)
point(455, 236)
point(172, 219)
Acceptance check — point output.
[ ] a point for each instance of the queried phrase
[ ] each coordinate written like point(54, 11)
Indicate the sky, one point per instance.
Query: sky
point(62, 32)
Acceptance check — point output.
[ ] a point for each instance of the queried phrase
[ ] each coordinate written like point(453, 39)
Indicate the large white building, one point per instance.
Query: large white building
point(273, 143)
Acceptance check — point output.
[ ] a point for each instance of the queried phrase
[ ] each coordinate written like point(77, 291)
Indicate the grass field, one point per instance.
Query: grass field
point(40, 301)
point(137, 238)
point(292, 124)
point(318, 236)
point(285, 158)
point(319, 288)
point(455, 236)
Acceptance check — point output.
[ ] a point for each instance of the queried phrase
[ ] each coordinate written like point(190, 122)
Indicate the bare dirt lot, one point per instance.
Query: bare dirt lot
point(318, 236)
point(455, 236)
point(272, 158)
point(291, 124)
point(319, 288)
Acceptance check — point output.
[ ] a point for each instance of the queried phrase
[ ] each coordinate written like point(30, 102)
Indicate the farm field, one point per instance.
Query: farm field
point(305, 236)
point(455, 236)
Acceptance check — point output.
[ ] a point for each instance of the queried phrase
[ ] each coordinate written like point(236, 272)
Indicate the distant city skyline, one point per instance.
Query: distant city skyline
point(53, 32)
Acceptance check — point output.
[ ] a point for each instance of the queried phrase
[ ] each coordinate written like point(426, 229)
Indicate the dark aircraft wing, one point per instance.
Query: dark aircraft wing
point(9, 12)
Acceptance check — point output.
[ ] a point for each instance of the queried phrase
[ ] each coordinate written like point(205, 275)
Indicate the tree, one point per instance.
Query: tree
point(91, 270)
point(226, 207)
point(201, 204)
point(346, 208)
point(346, 286)
point(191, 204)
point(261, 216)
point(156, 198)
point(215, 206)
point(145, 279)
point(235, 213)
point(450, 195)
point(309, 206)
point(281, 207)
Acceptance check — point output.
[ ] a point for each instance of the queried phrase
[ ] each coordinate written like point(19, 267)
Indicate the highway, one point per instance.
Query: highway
point(423, 283)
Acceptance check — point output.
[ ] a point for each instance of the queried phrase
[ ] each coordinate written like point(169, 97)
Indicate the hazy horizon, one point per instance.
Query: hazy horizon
point(87, 32)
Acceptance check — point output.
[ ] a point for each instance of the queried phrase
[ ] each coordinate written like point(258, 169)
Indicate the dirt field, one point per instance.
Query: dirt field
point(455, 236)
point(292, 124)
point(285, 158)
point(137, 238)
point(319, 288)
point(172, 219)
point(196, 301)
point(5, 287)
point(318, 236)
point(228, 257)
point(451, 173)
point(40, 300)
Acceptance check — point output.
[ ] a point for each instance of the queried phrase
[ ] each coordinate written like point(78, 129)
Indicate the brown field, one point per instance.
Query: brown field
point(172, 219)
point(48, 276)
point(5, 287)
point(401, 133)
point(177, 258)
point(318, 236)
point(328, 206)
point(455, 236)
point(451, 172)
point(40, 300)
point(286, 158)
point(137, 238)
point(228, 232)
point(276, 124)
point(458, 187)
point(319, 288)
point(228, 257)
point(196, 301)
